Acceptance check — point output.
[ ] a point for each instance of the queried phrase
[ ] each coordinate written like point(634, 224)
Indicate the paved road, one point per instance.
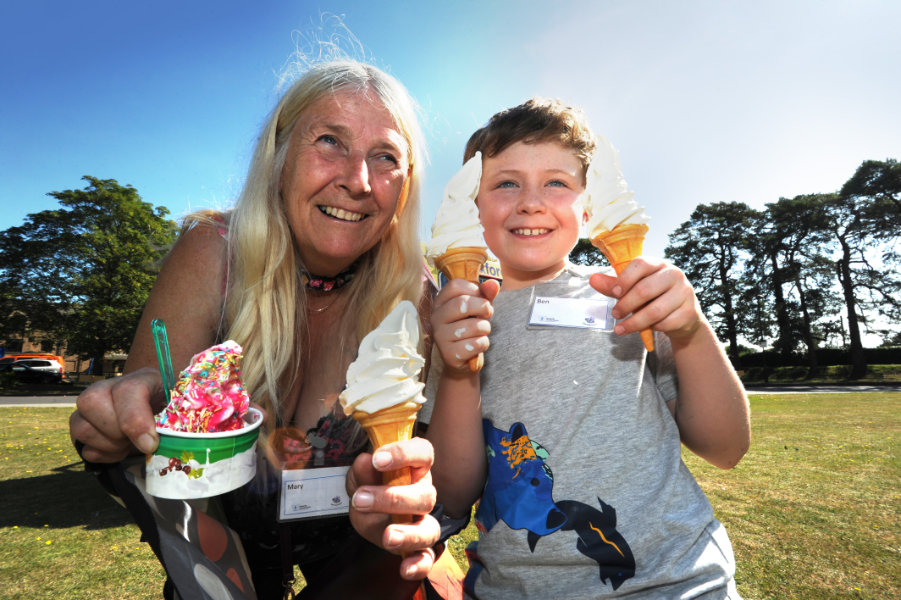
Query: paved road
point(38, 400)
point(821, 389)
point(772, 389)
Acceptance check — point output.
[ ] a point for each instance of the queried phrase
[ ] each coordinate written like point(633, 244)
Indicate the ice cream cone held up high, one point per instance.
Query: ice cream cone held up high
point(616, 224)
point(620, 246)
point(462, 263)
point(457, 248)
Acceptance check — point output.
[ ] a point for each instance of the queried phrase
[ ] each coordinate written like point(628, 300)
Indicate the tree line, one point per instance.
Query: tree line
point(802, 274)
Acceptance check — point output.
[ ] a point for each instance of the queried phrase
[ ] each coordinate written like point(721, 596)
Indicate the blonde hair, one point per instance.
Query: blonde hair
point(265, 304)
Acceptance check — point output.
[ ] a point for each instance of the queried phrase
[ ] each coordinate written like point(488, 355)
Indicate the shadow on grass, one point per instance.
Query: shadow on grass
point(70, 497)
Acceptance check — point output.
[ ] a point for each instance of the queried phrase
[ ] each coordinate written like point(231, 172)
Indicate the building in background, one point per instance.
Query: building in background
point(75, 369)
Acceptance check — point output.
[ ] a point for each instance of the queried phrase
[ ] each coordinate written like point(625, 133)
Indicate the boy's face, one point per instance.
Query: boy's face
point(530, 204)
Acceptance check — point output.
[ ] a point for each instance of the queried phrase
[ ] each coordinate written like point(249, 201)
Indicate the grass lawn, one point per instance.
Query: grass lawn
point(812, 510)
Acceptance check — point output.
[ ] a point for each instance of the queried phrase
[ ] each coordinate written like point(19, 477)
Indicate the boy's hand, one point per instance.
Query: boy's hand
point(460, 325)
point(657, 295)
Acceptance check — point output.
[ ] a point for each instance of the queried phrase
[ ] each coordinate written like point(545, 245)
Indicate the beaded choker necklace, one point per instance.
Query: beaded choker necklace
point(327, 284)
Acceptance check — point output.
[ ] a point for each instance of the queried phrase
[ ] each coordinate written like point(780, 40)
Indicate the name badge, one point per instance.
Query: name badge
point(313, 493)
point(584, 313)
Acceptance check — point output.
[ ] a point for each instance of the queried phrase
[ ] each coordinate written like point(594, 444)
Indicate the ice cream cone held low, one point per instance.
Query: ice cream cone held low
point(620, 246)
point(387, 426)
point(383, 392)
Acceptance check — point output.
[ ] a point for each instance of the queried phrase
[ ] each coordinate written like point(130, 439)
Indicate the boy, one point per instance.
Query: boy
point(584, 494)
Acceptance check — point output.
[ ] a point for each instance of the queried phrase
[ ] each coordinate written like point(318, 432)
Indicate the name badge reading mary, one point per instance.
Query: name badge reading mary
point(585, 313)
point(313, 493)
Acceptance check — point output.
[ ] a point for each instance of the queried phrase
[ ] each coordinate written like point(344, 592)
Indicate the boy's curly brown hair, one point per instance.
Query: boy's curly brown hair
point(536, 120)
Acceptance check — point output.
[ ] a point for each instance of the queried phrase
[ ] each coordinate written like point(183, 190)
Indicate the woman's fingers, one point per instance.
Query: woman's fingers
point(114, 418)
point(369, 495)
point(415, 542)
point(373, 504)
point(417, 564)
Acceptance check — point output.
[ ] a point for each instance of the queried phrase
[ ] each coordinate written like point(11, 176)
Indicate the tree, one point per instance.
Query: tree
point(710, 250)
point(795, 246)
point(81, 274)
point(586, 254)
point(877, 186)
point(768, 295)
point(864, 222)
point(865, 219)
point(878, 180)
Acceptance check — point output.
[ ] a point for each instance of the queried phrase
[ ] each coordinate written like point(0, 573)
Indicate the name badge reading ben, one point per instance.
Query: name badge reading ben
point(584, 313)
point(309, 493)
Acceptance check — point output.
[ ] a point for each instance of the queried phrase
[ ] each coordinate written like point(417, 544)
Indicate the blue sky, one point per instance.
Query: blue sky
point(707, 101)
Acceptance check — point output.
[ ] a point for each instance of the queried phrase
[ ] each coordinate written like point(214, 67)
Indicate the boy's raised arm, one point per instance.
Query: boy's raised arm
point(456, 433)
point(712, 408)
point(460, 329)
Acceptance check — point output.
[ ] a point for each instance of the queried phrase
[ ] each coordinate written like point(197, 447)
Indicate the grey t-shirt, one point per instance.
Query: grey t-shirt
point(587, 494)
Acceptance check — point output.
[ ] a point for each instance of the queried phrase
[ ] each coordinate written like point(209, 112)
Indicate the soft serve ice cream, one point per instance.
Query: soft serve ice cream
point(457, 220)
point(458, 247)
point(608, 202)
point(385, 373)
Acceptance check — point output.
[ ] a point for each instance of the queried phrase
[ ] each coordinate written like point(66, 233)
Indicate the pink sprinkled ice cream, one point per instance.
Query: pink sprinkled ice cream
point(209, 396)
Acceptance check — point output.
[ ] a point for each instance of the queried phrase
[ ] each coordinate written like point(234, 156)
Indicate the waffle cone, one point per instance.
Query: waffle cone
point(462, 263)
point(620, 246)
point(391, 425)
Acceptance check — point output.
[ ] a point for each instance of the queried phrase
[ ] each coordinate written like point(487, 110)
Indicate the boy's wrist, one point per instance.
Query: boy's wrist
point(699, 332)
point(461, 374)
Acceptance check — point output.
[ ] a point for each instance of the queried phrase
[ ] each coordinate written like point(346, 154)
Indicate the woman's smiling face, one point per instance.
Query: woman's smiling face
point(342, 179)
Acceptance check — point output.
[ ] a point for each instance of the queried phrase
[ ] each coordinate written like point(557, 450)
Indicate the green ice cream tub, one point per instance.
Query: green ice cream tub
point(199, 465)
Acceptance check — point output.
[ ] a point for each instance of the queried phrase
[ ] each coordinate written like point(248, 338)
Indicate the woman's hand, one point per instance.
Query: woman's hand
point(460, 321)
point(114, 417)
point(372, 504)
point(653, 294)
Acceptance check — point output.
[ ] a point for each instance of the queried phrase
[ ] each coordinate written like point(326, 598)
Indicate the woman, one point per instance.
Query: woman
point(321, 245)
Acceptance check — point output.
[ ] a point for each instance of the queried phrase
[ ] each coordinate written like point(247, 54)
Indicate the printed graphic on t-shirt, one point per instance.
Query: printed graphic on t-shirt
point(519, 492)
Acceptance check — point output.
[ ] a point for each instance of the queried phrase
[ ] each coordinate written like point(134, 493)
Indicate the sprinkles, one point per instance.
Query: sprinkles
point(209, 395)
